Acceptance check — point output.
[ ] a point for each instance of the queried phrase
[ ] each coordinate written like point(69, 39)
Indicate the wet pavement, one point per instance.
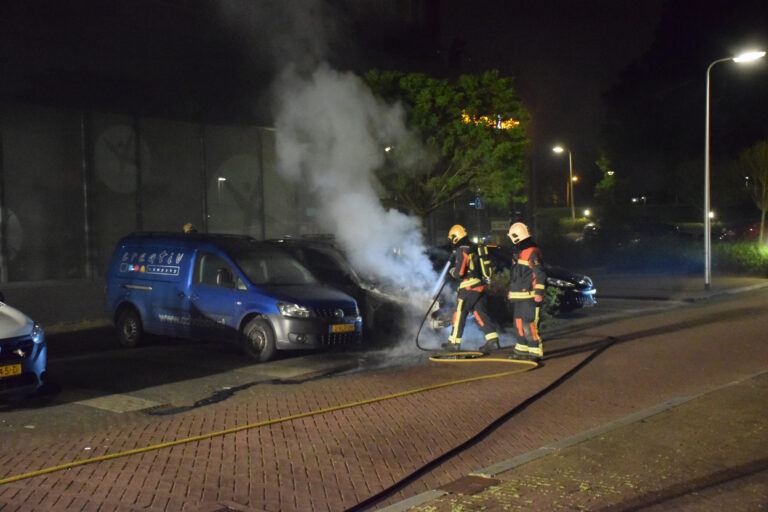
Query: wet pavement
point(648, 411)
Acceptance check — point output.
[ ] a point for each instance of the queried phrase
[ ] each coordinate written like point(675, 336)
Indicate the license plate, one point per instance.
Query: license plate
point(8, 371)
point(343, 328)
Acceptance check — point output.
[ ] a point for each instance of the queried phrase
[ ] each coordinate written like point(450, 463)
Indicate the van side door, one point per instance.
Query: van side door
point(215, 299)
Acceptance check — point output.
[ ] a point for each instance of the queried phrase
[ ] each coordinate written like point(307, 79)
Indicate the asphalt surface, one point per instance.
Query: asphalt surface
point(658, 409)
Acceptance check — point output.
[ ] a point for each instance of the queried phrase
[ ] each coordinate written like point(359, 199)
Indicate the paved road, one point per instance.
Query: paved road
point(88, 367)
point(341, 457)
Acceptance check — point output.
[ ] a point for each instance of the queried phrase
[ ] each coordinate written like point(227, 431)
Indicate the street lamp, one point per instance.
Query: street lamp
point(745, 57)
point(560, 149)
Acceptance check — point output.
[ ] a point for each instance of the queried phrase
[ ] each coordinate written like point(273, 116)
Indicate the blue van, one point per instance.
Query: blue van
point(227, 288)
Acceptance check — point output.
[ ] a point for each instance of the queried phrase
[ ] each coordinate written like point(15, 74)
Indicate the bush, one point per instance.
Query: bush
point(569, 225)
point(741, 258)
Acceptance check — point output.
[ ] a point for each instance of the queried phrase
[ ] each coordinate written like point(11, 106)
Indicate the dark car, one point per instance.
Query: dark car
point(382, 312)
point(632, 234)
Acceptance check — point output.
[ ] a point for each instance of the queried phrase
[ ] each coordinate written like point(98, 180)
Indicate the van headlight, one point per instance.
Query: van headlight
point(293, 310)
point(37, 333)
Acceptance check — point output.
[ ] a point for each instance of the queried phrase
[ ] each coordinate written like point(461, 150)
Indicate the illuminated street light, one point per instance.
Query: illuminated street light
point(560, 149)
point(219, 182)
point(745, 57)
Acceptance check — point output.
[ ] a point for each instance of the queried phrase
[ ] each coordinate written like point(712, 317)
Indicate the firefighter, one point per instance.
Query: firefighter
point(527, 286)
point(473, 271)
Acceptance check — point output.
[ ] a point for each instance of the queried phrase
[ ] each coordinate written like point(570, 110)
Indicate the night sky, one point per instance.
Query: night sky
point(594, 73)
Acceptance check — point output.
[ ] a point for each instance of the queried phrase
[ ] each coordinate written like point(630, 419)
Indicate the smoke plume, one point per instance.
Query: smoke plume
point(331, 134)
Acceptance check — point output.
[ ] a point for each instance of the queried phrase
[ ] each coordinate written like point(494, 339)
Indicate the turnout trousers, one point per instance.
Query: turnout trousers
point(472, 300)
point(527, 327)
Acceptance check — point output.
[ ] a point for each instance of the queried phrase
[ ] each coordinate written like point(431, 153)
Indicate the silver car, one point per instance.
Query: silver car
point(23, 353)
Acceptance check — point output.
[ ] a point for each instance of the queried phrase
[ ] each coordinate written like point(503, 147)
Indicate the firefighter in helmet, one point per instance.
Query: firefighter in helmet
point(527, 287)
point(468, 267)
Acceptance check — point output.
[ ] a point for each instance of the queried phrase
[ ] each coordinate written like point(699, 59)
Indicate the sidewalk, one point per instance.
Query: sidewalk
point(661, 286)
point(692, 453)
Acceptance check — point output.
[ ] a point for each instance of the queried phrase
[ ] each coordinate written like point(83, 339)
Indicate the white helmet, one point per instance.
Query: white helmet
point(518, 232)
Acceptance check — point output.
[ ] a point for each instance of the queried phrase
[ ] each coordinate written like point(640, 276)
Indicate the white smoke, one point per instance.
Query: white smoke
point(331, 133)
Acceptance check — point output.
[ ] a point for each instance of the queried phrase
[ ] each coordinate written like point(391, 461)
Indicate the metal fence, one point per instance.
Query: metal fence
point(73, 182)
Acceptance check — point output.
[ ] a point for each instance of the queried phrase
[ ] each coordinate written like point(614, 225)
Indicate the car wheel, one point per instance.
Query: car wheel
point(259, 340)
point(129, 328)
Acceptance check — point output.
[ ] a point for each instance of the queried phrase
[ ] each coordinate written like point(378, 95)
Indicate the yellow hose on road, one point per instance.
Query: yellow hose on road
point(529, 366)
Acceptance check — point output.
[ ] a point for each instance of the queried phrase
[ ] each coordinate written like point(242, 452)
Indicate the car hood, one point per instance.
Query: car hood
point(314, 294)
point(13, 323)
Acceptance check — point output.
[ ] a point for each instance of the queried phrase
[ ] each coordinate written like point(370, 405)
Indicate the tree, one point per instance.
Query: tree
point(604, 190)
point(474, 129)
point(753, 162)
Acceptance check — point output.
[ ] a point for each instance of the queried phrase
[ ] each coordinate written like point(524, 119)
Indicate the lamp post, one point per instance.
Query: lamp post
point(745, 57)
point(560, 149)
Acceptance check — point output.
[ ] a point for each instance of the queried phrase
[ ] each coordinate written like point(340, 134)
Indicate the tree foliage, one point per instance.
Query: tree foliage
point(458, 122)
point(753, 163)
point(605, 188)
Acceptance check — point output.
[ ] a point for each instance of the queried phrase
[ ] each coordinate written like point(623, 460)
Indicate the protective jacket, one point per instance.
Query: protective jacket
point(527, 278)
point(466, 267)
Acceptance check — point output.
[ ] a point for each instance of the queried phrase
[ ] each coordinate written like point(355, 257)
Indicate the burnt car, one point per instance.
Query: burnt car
point(381, 311)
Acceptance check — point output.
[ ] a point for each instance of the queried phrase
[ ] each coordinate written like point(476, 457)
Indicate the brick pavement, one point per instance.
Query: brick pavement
point(335, 460)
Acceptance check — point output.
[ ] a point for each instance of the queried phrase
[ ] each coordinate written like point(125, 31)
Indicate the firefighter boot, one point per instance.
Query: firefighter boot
point(490, 346)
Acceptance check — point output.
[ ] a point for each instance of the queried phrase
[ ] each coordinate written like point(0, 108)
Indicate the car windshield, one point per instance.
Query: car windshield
point(324, 266)
point(267, 266)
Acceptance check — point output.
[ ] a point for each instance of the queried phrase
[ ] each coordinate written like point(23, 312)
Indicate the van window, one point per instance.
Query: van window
point(213, 270)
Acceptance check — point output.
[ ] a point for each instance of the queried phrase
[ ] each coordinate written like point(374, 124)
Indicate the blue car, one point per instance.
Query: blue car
point(23, 353)
point(224, 288)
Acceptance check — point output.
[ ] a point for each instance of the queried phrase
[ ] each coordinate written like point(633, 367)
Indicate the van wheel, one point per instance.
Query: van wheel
point(129, 328)
point(258, 340)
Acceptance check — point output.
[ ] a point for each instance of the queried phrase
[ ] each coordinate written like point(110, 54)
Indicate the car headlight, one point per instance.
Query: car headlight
point(293, 310)
point(559, 283)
